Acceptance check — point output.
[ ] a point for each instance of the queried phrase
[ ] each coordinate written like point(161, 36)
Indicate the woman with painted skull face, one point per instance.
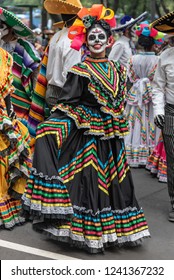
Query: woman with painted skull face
point(97, 39)
point(81, 190)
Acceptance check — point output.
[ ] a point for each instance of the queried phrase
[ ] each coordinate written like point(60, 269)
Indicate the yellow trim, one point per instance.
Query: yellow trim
point(132, 232)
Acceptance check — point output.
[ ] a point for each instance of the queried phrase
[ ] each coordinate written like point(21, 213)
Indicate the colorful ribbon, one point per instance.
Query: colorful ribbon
point(145, 29)
point(77, 32)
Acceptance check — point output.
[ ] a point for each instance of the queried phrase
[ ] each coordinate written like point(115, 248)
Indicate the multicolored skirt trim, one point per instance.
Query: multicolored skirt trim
point(50, 206)
point(9, 213)
point(156, 162)
point(96, 232)
point(137, 156)
point(80, 189)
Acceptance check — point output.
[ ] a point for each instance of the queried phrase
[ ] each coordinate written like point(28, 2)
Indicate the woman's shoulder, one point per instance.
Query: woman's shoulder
point(80, 69)
point(79, 65)
point(119, 67)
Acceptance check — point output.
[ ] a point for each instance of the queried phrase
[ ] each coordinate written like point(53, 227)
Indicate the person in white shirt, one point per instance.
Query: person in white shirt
point(163, 102)
point(61, 57)
point(143, 134)
point(124, 47)
point(57, 60)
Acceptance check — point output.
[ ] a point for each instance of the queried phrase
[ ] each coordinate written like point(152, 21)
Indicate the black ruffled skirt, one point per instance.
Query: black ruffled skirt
point(80, 189)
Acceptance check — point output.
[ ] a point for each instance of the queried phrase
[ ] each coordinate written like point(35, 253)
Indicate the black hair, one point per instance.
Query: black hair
point(146, 42)
point(104, 25)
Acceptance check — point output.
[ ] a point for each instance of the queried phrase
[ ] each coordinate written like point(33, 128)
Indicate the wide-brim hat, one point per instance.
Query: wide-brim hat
point(62, 6)
point(59, 24)
point(130, 23)
point(11, 20)
point(66, 19)
point(165, 23)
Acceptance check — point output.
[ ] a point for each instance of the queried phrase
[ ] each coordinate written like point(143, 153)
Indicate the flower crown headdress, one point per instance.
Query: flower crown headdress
point(145, 29)
point(86, 18)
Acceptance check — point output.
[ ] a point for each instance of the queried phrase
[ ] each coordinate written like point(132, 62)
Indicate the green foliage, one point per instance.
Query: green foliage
point(89, 3)
point(21, 2)
point(134, 8)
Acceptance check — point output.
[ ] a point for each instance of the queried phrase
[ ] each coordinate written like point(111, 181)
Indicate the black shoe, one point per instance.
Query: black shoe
point(171, 215)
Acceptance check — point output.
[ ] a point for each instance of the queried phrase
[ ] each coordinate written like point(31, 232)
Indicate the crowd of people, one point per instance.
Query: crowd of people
point(76, 115)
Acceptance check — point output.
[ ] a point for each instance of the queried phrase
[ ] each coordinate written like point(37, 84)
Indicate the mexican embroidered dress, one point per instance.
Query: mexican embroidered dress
point(15, 155)
point(80, 188)
point(143, 136)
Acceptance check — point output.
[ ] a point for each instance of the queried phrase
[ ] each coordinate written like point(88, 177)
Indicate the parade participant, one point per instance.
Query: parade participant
point(143, 134)
point(156, 162)
point(124, 48)
point(80, 190)
point(60, 53)
point(163, 102)
point(25, 61)
point(58, 58)
point(15, 160)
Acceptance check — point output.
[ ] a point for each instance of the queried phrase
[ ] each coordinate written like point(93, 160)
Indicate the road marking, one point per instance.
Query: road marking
point(34, 251)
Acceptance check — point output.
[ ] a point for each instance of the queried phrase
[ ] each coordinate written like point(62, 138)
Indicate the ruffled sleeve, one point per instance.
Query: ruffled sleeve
point(95, 103)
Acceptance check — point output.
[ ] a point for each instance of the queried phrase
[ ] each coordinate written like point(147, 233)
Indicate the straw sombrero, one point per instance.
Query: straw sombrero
point(62, 6)
point(59, 24)
point(128, 21)
point(67, 20)
point(11, 20)
point(165, 23)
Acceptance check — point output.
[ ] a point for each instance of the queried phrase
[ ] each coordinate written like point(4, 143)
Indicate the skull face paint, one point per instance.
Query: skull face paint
point(97, 39)
point(132, 32)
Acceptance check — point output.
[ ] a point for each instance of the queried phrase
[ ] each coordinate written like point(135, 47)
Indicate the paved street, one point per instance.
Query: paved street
point(23, 243)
